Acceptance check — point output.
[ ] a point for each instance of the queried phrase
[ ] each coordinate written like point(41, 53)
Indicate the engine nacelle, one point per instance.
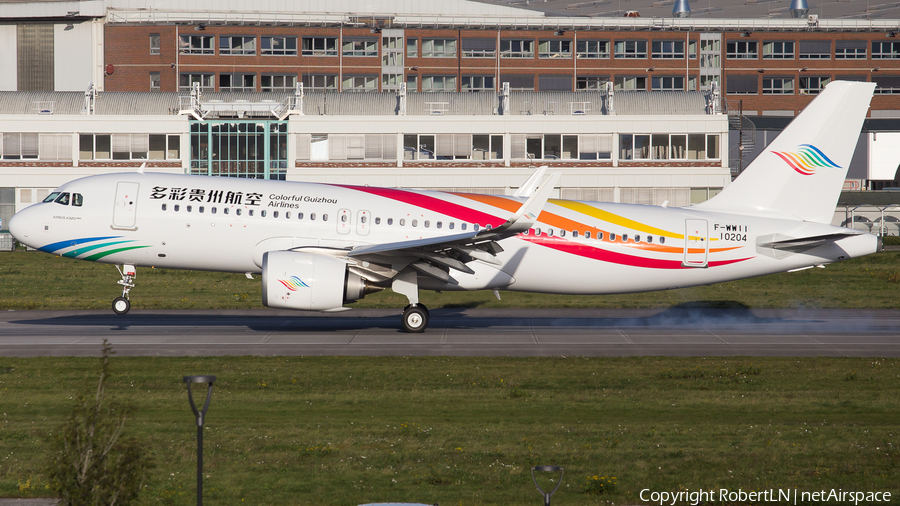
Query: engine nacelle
point(306, 281)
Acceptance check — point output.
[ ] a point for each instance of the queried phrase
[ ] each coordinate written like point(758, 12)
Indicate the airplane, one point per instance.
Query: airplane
point(318, 247)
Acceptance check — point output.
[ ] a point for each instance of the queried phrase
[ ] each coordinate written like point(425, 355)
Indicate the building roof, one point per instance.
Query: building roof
point(368, 104)
point(708, 9)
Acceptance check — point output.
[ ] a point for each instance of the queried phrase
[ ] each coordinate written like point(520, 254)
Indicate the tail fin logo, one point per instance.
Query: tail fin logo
point(806, 159)
point(293, 283)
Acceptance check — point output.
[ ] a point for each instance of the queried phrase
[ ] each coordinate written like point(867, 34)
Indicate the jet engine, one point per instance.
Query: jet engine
point(307, 281)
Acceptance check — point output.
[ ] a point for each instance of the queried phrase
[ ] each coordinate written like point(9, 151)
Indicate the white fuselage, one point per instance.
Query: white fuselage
point(223, 224)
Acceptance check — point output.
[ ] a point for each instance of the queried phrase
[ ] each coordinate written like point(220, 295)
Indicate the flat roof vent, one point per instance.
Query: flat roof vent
point(681, 9)
point(799, 9)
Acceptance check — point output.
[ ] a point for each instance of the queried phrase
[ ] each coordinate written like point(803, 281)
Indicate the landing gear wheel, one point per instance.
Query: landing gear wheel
point(121, 305)
point(415, 319)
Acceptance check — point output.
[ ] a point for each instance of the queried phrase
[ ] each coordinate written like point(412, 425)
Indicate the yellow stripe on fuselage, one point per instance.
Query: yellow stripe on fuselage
point(615, 219)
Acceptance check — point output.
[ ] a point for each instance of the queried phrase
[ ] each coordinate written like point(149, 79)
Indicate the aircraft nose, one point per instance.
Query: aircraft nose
point(18, 227)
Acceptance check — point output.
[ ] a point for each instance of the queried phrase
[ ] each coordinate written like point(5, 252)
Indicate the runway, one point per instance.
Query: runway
point(457, 332)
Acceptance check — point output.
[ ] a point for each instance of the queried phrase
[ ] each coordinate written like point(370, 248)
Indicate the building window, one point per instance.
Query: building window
point(665, 83)
point(477, 83)
point(778, 50)
point(20, 146)
point(516, 48)
point(391, 51)
point(778, 86)
point(813, 85)
point(418, 147)
point(320, 82)
point(278, 82)
point(187, 80)
point(237, 45)
point(592, 49)
point(887, 85)
point(279, 46)
point(438, 83)
point(850, 49)
point(360, 83)
point(237, 82)
point(362, 46)
point(668, 49)
point(391, 82)
point(479, 48)
point(665, 146)
point(154, 43)
point(631, 49)
point(518, 82)
point(555, 83)
point(439, 48)
point(742, 50)
point(706, 82)
point(630, 83)
point(590, 83)
point(154, 81)
point(412, 47)
point(885, 50)
point(320, 46)
point(196, 44)
point(486, 147)
point(555, 49)
point(742, 85)
point(412, 83)
point(815, 50)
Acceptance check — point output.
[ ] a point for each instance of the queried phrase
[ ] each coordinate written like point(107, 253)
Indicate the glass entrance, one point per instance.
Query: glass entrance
point(239, 148)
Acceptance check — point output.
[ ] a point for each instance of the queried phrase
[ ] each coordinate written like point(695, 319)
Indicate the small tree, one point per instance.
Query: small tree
point(91, 464)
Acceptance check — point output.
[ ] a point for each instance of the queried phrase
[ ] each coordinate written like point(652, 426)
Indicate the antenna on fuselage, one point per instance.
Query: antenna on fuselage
point(141, 168)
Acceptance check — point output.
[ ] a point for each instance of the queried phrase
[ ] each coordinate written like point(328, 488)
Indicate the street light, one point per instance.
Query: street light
point(199, 415)
point(551, 469)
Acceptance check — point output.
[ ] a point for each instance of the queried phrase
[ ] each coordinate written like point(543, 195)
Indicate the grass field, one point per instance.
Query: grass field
point(347, 431)
point(32, 280)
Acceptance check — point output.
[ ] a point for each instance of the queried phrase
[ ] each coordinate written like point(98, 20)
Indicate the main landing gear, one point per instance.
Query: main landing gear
point(121, 305)
point(415, 318)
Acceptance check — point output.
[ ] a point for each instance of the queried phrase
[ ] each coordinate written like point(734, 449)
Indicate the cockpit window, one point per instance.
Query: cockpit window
point(77, 199)
point(51, 197)
point(63, 199)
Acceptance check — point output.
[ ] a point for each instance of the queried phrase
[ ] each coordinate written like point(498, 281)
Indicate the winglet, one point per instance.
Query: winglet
point(527, 188)
point(528, 214)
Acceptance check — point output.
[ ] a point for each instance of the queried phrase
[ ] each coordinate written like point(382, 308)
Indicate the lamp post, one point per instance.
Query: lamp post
point(199, 415)
point(551, 469)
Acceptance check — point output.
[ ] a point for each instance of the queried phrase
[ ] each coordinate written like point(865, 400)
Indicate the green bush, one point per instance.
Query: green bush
point(90, 463)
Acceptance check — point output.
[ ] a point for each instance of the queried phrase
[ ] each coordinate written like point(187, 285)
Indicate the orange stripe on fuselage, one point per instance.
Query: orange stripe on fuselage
point(557, 221)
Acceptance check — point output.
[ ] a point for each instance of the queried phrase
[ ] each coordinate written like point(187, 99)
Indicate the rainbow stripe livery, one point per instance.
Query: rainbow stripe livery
point(806, 159)
point(293, 283)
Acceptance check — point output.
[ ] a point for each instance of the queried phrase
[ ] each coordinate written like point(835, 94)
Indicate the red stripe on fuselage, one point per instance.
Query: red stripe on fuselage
point(587, 251)
point(432, 204)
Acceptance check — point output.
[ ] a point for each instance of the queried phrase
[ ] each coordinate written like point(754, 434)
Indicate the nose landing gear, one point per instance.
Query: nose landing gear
point(121, 305)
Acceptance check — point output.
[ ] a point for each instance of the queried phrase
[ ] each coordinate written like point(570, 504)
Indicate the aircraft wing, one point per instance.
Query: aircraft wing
point(435, 256)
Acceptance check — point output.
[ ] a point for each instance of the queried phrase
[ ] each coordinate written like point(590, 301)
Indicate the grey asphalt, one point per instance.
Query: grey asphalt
point(457, 332)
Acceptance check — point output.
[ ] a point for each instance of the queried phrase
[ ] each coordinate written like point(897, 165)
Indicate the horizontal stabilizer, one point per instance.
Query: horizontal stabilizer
point(780, 246)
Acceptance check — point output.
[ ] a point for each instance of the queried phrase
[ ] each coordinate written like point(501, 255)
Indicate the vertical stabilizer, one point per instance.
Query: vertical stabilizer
point(801, 173)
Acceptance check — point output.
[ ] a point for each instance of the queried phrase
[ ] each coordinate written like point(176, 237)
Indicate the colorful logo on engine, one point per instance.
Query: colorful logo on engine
point(807, 159)
point(293, 283)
